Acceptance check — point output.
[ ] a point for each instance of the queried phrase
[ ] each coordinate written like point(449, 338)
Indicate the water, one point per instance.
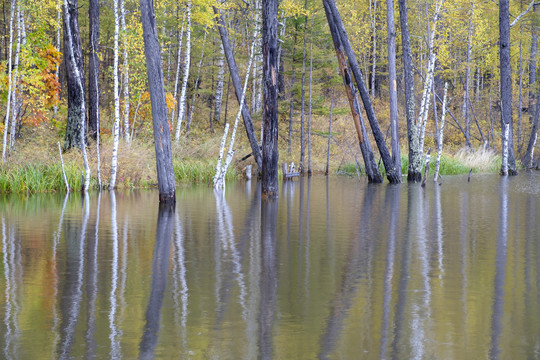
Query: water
point(335, 269)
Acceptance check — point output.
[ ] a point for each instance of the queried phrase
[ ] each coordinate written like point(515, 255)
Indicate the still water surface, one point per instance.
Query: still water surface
point(336, 269)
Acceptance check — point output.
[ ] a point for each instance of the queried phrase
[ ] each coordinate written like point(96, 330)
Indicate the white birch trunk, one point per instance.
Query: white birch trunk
point(63, 171)
point(440, 135)
point(83, 110)
point(504, 166)
point(116, 126)
point(178, 64)
point(15, 80)
point(221, 169)
point(182, 102)
point(127, 137)
point(220, 82)
point(10, 80)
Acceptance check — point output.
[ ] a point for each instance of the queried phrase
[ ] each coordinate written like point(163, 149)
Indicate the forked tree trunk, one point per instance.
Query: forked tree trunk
point(372, 170)
point(392, 173)
point(270, 155)
point(162, 138)
point(233, 70)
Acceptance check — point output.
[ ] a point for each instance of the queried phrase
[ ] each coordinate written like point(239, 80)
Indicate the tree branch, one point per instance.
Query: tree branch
point(524, 13)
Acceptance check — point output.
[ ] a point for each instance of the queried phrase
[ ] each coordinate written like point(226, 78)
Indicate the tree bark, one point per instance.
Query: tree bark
point(532, 67)
point(270, 154)
point(291, 105)
point(126, 71)
point(219, 84)
point(303, 106)
point(392, 81)
point(187, 56)
point(529, 153)
point(178, 59)
point(116, 123)
point(162, 139)
point(392, 173)
point(508, 166)
point(10, 80)
point(372, 170)
point(415, 156)
point(76, 100)
point(233, 70)
point(93, 69)
point(73, 55)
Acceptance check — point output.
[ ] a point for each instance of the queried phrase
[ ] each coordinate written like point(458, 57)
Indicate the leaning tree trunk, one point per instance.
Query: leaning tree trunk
point(372, 170)
point(270, 153)
point(162, 138)
point(392, 173)
point(93, 69)
point(73, 55)
point(219, 84)
point(415, 156)
point(233, 71)
point(529, 153)
point(75, 130)
point(392, 80)
point(508, 166)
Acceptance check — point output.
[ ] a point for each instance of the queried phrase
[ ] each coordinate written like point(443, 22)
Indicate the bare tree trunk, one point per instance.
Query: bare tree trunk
point(415, 155)
point(58, 44)
point(310, 92)
point(178, 62)
point(93, 69)
point(73, 53)
point(10, 81)
point(116, 124)
point(126, 72)
point(187, 56)
point(440, 134)
point(372, 170)
point(303, 106)
point(392, 81)
point(508, 166)
point(372, 15)
point(466, 113)
point(291, 105)
point(329, 134)
point(529, 153)
point(392, 173)
point(15, 106)
point(162, 139)
point(532, 66)
point(219, 85)
point(270, 154)
point(233, 70)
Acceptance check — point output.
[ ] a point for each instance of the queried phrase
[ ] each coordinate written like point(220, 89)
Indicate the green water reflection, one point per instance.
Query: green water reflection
point(335, 269)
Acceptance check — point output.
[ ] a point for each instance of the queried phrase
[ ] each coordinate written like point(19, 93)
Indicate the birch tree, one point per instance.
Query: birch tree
point(508, 166)
point(72, 50)
point(10, 81)
point(116, 124)
point(126, 71)
point(440, 134)
point(392, 81)
point(15, 79)
point(219, 84)
point(187, 57)
point(179, 57)
point(93, 69)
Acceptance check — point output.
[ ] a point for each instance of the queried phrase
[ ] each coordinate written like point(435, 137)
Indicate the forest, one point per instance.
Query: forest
point(372, 84)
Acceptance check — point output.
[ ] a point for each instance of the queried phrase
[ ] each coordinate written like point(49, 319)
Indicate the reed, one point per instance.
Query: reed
point(199, 171)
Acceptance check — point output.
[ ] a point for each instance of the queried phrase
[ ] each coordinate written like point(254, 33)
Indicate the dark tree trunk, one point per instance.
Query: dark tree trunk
point(506, 89)
point(372, 171)
point(162, 137)
point(291, 105)
point(528, 157)
point(415, 157)
point(270, 153)
point(74, 127)
point(233, 71)
point(93, 69)
point(392, 173)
